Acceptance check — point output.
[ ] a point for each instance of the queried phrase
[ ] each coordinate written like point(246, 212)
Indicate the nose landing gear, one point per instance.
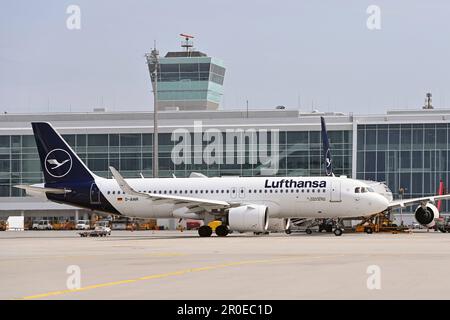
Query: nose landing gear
point(339, 228)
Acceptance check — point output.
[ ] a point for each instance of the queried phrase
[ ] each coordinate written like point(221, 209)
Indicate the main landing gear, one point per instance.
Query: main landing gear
point(222, 231)
point(206, 231)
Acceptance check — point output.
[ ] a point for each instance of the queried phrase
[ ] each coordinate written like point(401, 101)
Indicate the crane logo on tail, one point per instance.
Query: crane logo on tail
point(58, 163)
point(328, 167)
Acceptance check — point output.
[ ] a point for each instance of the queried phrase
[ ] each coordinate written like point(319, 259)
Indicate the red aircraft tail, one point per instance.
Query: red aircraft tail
point(441, 191)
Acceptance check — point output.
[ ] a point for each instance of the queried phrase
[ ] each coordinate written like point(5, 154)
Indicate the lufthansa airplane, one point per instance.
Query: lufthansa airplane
point(246, 204)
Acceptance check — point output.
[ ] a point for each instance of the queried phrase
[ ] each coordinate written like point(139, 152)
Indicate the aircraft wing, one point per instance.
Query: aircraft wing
point(193, 204)
point(409, 202)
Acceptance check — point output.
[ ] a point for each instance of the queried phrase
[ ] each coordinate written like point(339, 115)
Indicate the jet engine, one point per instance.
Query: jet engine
point(278, 224)
point(249, 218)
point(425, 215)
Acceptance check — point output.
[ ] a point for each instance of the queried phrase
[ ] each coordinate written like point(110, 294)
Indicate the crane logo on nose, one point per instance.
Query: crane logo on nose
point(58, 163)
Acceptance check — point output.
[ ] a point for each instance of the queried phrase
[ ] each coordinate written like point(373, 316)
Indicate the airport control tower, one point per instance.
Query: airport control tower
point(188, 79)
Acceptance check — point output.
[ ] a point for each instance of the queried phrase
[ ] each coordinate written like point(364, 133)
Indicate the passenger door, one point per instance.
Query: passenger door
point(335, 195)
point(95, 194)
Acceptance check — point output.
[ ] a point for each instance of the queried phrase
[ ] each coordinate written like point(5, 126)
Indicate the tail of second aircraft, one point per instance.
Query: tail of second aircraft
point(326, 150)
point(59, 162)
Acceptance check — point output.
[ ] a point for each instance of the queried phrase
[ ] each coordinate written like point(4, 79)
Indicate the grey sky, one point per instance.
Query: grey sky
point(276, 52)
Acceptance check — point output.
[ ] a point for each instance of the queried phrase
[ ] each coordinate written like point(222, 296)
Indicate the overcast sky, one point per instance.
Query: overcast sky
point(292, 53)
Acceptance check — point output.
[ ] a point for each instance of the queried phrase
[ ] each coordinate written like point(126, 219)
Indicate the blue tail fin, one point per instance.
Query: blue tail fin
point(59, 162)
point(328, 164)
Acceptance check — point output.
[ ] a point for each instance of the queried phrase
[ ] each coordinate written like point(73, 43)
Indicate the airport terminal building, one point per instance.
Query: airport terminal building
point(408, 149)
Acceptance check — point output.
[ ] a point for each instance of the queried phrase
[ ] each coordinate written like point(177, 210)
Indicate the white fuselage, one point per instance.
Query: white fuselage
point(286, 197)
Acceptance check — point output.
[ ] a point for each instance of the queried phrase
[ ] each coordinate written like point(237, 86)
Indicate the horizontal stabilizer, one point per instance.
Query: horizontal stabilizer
point(39, 189)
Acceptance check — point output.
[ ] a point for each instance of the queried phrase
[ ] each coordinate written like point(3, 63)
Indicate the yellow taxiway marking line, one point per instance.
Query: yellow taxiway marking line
point(165, 275)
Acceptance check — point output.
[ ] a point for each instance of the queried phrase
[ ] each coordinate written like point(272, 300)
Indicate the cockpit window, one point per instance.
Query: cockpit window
point(357, 190)
point(363, 190)
point(370, 189)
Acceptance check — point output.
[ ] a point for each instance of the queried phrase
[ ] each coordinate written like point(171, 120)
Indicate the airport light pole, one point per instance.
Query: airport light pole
point(153, 63)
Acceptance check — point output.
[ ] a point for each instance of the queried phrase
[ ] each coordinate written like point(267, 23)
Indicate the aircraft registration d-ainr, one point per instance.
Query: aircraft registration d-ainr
point(245, 204)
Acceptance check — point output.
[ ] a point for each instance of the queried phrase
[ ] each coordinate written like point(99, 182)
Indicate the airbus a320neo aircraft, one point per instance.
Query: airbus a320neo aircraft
point(242, 203)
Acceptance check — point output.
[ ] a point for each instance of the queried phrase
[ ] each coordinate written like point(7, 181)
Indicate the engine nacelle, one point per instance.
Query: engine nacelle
point(278, 224)
point(249, 218)
point(426, 215)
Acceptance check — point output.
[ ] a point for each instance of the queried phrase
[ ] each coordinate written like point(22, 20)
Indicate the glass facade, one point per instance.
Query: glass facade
point(189, 82)
point(191, 72)
point(131, 153)
point(409, 156)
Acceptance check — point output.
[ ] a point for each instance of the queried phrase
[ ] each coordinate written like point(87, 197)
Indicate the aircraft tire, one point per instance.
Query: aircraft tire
point(222, 231)
point(338, 232)
point(308, 231)
point(369, 230)
point(205, 231)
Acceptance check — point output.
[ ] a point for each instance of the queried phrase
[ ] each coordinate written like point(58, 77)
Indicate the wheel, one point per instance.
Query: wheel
point(222, 231)
point(337, 232)
point(308, 231)
point(205, 231)
point(288, 231)
point(369, 230)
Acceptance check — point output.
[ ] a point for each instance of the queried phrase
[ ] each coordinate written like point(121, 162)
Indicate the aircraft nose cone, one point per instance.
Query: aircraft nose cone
point(381, 203)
